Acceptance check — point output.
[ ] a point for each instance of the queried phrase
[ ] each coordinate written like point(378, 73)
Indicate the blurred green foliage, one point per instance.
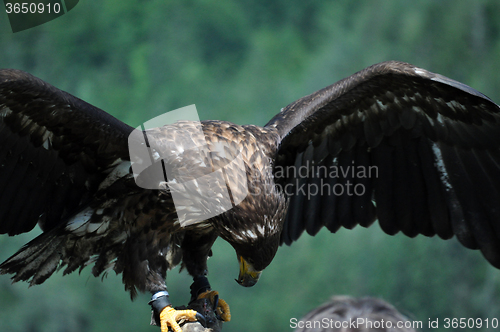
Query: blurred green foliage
point(242, 62)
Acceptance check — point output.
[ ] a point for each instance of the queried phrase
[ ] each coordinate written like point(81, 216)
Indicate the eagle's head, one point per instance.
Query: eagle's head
point(255, 238)
point(254, 257)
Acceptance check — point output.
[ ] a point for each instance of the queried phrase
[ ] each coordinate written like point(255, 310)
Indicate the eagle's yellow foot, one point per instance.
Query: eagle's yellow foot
point(169, 317)
point(222, 308)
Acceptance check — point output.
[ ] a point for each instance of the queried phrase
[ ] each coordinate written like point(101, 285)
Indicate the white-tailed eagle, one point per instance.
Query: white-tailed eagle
point(419, 152)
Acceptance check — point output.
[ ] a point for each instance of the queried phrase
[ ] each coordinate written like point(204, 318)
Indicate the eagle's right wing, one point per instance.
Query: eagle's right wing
point(55, 149)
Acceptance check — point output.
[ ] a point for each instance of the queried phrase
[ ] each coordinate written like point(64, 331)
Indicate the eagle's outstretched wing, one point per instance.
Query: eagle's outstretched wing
point(55, 150)
point(393, 142)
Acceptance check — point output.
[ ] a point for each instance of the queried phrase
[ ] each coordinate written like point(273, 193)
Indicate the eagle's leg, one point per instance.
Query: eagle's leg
point(168, 316)
point(196, 250)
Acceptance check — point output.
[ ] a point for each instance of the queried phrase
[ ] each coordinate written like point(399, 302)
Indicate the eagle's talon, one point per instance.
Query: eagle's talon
point(200, 318)
point(216, 302)
point(221, 308)
point(223, 311)
point(169, 317)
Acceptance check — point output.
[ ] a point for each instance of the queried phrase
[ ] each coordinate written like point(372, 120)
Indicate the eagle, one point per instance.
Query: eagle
point(417, 151)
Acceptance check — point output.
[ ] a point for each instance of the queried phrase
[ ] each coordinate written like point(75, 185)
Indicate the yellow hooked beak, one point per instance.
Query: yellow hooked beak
point(248, 274)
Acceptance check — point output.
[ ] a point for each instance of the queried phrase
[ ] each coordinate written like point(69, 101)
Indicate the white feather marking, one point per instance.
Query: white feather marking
point(440, 100)
point(455, 105)
point(92, 227)
point(5, 111)
point(417, 109)
point(261, 228)
point(248, 234)
point(79, 220)
point(381, 106)
point(99, 227)
point(116, 162)
point(440, 118)
point(104, 225)
point(81, 225)
point(123, 169)
point(122, 237)
point(46, 145)
point(236, 235)
point(443, 173)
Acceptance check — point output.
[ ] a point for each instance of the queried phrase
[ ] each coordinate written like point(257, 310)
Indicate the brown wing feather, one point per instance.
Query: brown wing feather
point(433, 142)
point(55, 150)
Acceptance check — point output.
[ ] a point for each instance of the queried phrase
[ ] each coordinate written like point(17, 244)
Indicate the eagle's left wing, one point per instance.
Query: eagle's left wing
point(415, 150)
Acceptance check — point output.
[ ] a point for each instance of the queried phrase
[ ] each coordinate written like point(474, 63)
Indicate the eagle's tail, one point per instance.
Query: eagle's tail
point(58, 248)
point(36, 260)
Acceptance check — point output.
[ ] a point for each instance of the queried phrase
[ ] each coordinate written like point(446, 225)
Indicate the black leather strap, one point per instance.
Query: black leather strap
point(159, 301)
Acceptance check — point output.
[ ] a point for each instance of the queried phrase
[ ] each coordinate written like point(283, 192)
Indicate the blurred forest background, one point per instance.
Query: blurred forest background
point(242, 62)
